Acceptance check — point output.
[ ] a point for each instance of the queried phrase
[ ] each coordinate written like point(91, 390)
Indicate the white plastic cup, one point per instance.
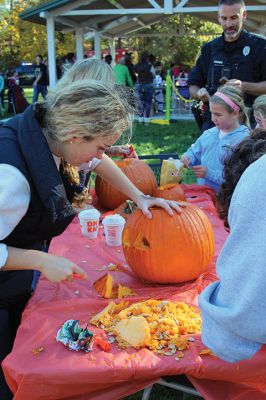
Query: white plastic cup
point(113, 229)
point(89, 222)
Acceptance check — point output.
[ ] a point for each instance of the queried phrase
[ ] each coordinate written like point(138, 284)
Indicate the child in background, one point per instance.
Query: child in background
point(259, 108)
point(233, 308)
point(207, 154)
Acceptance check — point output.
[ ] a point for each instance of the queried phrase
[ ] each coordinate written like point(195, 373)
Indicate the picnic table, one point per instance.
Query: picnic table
point(57, 373)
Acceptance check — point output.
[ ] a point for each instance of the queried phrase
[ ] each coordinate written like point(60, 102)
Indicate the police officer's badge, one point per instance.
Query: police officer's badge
point(246, 51)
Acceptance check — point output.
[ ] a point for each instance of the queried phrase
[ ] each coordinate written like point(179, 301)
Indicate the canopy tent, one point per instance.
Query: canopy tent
point(111, 19)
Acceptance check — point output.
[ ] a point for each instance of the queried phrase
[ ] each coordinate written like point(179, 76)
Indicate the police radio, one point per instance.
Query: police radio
point(219, 75)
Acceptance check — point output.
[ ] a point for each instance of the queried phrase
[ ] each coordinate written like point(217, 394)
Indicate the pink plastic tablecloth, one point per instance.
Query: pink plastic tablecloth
point(57, 373)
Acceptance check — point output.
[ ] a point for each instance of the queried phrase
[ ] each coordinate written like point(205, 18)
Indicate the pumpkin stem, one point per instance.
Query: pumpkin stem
point(130, 207)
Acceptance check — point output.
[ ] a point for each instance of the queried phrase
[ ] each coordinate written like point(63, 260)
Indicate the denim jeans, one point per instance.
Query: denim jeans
point(39, 89)
point(145, 92)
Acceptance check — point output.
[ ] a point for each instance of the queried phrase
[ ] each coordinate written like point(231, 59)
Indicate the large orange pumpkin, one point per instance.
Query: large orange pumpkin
point(137, 171)
point(172, 191)
point(168, 249)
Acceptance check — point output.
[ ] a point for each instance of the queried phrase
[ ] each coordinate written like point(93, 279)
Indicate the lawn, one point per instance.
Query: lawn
point(158, 139)
point(162, 139)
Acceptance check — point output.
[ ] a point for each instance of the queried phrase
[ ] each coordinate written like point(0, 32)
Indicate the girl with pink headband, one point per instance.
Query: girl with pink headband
point(207, 154)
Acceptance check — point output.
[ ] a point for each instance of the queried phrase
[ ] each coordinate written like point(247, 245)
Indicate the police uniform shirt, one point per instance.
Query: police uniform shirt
point(243, 59)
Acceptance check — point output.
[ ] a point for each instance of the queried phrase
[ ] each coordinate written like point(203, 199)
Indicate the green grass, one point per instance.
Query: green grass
point(28, 93)
point(162, 139)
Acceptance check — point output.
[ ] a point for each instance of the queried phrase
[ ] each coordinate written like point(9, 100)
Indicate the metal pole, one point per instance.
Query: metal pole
point(51, 50)
point(168, 96)
point(79, 44)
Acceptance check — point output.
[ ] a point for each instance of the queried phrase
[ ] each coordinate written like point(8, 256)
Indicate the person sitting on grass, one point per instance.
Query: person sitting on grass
point(207, 154)
point(233, 308)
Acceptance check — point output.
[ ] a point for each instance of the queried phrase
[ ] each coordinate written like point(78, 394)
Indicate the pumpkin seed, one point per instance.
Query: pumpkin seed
point(168, 353)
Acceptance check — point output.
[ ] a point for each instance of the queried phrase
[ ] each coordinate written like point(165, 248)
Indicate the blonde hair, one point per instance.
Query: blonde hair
point(88, 69)
point(236, 95)
point(80, 198)
point(86, 109)
point(259, 105)
point(89, 110)
point(83, 70)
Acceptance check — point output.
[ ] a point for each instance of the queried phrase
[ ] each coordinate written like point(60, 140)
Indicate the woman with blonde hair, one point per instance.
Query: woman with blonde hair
point(77, 123)
point(75, 180)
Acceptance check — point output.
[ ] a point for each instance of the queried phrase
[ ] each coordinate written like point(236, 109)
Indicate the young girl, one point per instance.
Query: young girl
point(77, 123)
point(207, 154)
point(76, 178)
point(233, 308)
point(259, 108)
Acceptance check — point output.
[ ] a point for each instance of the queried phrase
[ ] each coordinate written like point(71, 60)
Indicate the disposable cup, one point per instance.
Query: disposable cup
point(89, 222)
point(113, 228)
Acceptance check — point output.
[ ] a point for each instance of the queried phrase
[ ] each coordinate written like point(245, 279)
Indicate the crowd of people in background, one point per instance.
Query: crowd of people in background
point(146, 76)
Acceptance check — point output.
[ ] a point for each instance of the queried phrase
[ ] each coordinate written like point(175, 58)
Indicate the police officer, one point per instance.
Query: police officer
point(236, 58)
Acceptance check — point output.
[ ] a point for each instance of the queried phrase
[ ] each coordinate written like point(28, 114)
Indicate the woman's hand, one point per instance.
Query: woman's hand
point(126, 151)
point(58, 269)
point(145, 202)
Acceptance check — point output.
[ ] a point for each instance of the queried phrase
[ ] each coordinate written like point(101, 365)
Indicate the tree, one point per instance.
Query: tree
point(21, 40)
point(173, 45)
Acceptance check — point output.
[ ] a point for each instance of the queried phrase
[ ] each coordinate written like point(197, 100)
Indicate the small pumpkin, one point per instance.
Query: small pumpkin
point(137, 171)
point(171, 191)
point(168, 249)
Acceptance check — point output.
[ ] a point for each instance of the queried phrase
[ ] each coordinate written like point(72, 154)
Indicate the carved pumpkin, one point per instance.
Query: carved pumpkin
point(140, 174)
point(171, 192)
point(168, 249)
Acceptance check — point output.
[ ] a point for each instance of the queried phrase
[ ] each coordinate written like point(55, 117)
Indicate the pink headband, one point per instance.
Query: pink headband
point(227, 100)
